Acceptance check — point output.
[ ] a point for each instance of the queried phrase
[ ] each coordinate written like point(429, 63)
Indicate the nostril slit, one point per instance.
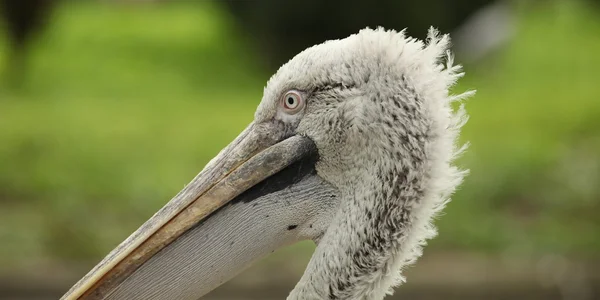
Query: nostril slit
point(292, 227)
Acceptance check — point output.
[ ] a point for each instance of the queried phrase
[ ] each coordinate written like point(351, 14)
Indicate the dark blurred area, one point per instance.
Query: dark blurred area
point(23, 19)
point(284, 28)
point(271, 23)
point(107, 108)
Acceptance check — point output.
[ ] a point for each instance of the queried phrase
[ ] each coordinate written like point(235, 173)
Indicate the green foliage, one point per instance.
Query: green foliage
point(121, 106)
point(535, 135)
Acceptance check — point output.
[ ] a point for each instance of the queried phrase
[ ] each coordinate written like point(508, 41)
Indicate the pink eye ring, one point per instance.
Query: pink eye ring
point(292, 101)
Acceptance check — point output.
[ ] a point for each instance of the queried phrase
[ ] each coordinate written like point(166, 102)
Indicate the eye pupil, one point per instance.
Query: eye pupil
point(291, 100)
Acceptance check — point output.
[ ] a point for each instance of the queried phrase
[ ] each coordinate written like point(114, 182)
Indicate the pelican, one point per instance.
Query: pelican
point(352, 146)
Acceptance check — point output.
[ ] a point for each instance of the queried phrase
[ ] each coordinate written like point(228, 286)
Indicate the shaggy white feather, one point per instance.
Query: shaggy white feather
point(433, 82)
point(381, 116)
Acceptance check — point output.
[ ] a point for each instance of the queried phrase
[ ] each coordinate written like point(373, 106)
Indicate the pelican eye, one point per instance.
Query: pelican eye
point(292, 102)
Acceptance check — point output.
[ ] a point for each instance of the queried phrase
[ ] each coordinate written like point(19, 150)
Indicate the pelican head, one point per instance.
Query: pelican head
point(351, 147)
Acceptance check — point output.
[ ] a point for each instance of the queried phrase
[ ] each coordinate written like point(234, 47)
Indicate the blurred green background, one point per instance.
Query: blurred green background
point(115, 106)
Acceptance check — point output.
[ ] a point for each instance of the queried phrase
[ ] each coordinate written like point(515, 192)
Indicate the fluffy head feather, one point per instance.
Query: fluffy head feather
point(379, 111)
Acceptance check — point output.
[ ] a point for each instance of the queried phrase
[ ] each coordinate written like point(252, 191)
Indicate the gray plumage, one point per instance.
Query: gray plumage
point(380, 114)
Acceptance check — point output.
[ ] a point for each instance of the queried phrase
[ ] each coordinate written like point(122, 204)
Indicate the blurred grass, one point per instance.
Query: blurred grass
point(122, 105)
point(535, 134)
